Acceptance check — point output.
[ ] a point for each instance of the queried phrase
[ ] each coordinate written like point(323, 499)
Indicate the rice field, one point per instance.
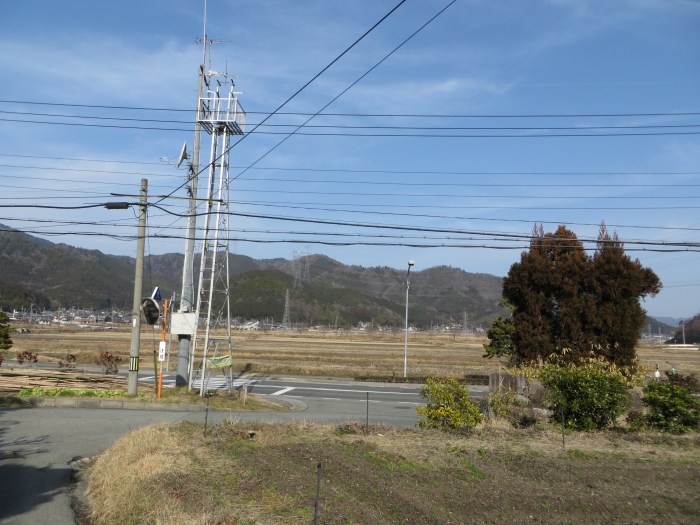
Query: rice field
point(346, 354)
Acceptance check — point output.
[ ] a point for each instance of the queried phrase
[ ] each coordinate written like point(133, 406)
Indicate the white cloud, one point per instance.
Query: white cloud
point(109, 71)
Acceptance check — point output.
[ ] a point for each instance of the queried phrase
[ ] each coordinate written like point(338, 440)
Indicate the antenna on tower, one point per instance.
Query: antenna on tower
point(183, 155)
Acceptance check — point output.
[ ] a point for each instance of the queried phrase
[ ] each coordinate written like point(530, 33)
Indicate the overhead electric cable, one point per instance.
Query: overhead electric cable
point(469, 196)
point(423, 229)
point(467, 185)
point(489, 219)
point(112, 161)
point(332, 170)
point(392, 115)
point(359, 127)
point(254, 131)
point(84, 170)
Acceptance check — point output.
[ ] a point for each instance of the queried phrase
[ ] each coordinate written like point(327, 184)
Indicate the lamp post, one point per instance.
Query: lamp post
point(405, 332)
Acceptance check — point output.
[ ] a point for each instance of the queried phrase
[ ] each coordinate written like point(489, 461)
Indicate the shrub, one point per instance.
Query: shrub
point(109, 361)
point(67, 361)
point(500, 403)
point(447, 406)
point(29, 357)
point(585, 396)
point(673, 408)
point(689, 381)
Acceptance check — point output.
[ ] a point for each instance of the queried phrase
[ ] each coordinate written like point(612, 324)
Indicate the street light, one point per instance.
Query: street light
point(405, 332)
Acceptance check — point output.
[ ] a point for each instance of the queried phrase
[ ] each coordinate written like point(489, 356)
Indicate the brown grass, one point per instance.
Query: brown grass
point(171, 474)
point(378, 354)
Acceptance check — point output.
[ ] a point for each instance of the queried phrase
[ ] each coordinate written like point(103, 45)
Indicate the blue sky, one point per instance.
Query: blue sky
point(625, 69)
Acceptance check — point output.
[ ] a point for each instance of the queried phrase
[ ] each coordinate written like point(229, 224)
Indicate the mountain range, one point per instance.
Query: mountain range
point(321, 290)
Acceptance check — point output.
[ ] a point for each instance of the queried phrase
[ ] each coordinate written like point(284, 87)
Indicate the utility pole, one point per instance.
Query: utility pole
point(133, 379)
point(405, 332)
point(285, 317)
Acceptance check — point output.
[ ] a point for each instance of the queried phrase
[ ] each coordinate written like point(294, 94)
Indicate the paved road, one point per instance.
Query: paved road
point(313, 388)
point(37, 444)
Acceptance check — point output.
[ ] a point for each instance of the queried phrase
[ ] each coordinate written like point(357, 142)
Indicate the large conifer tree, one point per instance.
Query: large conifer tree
point(620, 283)
point(566, 302)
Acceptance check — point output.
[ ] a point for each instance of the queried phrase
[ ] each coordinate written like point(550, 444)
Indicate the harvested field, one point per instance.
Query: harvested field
point(169, 474)
point(369, 354)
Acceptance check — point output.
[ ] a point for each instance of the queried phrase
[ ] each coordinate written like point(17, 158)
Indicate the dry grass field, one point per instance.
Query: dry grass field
point(349, 354)
point(495, 475)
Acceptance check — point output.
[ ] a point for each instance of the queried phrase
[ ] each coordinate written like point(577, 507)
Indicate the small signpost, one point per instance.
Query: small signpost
point(162, 347)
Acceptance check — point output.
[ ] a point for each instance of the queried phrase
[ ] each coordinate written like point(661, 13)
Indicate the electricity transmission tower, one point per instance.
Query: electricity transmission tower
point(300, 268)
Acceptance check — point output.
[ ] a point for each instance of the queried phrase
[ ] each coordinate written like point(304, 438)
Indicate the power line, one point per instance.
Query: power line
point(368, 172)
point(489, 173)
point(670, 248)
point(480, 234)
point(306, 125)
point(339, 170)
point(112, 161)
point(378, 115)
point(83, 125)
point(52, 207)
point(85, 170)
point(457, 196)
point(480, 135)
point(255, 131)
point(96, 117)
point(467, 185)
point(489, 219)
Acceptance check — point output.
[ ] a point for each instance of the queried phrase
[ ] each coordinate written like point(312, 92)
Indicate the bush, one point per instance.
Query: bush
point(29, 357)
point(673, 408)
point(500, 403)
point(67, 361)
point(447, 406)
point(689, 381)
point(585, 396)
point(109, 361)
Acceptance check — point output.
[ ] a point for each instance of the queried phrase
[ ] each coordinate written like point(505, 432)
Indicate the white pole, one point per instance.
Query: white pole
point(405, 332)
point(405, 336)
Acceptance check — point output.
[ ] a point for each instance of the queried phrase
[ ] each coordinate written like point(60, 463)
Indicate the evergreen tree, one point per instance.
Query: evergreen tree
point(568, 303)
point(619, 284)
point(5, 331)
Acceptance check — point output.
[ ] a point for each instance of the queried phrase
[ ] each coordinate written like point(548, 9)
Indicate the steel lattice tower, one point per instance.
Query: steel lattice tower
point(221, 116)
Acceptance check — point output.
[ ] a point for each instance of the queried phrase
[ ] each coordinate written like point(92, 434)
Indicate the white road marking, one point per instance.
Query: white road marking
point(356, 391)
point(283, 391)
